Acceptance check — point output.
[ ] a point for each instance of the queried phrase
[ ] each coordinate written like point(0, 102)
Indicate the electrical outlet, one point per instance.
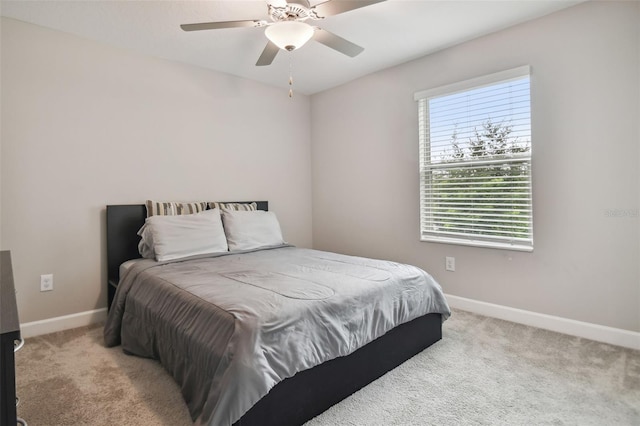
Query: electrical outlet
point(46, 282)
point(450, 263)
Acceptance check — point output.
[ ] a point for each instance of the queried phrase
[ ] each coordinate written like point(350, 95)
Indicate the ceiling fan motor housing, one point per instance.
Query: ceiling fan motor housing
point(293, 11)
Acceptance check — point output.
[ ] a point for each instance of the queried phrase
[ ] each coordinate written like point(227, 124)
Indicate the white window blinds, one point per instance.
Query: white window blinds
point(475, 162)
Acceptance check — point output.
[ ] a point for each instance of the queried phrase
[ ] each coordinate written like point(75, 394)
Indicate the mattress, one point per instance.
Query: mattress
point(124, 267)
point(230, 327)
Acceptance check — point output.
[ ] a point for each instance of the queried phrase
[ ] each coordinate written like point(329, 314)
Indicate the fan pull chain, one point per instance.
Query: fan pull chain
point(290, 78)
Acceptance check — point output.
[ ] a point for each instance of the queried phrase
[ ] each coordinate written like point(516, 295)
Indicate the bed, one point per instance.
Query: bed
point(293, 394)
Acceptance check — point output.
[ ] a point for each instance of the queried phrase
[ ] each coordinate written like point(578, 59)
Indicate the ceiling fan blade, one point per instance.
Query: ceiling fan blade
point(218, 25)
point(337, 43)
point(268, 54)
point(334, 7)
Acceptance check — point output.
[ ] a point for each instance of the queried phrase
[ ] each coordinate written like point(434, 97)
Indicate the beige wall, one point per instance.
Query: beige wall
point(585, 85)
point(85, 125)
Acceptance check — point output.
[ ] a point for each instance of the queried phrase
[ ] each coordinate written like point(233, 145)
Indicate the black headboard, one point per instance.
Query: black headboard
point(123, 224)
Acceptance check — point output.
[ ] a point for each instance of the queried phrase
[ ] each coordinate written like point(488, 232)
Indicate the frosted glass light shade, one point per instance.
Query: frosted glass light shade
point(289, 35)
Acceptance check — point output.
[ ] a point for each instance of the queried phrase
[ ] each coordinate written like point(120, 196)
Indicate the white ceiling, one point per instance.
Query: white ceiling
point(391, 32)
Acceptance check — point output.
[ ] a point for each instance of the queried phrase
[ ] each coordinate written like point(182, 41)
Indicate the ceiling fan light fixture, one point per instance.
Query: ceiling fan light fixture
point(289, 35)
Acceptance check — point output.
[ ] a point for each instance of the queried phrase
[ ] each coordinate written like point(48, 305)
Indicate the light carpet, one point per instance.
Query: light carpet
point(484, 372)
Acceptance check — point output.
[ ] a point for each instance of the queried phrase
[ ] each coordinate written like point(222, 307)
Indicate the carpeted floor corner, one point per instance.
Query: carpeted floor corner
point(484, 372)
point(71, 378)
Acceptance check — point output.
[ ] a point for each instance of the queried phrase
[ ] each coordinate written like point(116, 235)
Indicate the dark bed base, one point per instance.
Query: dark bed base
point(308, 393)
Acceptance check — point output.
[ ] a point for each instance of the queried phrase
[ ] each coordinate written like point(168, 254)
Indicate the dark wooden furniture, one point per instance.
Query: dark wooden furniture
point(299, 398)
point(9, 334)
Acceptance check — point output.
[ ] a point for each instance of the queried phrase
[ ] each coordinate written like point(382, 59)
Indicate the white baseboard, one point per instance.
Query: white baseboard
point(600, 333)
point(66, 322)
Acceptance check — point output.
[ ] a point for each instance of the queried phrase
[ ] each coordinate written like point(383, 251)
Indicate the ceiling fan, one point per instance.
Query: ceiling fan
point(288, 30)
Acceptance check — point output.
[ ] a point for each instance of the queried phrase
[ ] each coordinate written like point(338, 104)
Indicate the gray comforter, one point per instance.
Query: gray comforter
point(231, 327)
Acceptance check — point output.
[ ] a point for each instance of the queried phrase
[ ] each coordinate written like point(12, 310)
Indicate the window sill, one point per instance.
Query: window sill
point(478, 243)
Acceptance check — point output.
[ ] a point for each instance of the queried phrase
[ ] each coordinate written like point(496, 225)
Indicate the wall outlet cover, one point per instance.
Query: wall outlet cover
point(46, 282)
point(450, 263)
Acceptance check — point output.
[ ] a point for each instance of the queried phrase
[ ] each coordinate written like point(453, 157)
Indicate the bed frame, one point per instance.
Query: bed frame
point(308, 393)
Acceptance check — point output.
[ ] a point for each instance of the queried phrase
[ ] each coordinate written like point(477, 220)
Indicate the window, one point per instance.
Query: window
point(475, 162)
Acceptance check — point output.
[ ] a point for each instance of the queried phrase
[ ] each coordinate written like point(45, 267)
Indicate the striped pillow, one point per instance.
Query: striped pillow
point(159, 208)
point(234, 206)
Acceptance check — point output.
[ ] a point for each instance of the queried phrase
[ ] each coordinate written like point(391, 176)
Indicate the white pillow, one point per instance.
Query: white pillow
point(248, 230)
point(145, 246)
point(177, 237)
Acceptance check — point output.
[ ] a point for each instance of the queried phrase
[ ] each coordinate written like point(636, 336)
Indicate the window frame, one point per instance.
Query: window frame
point(426, 177)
